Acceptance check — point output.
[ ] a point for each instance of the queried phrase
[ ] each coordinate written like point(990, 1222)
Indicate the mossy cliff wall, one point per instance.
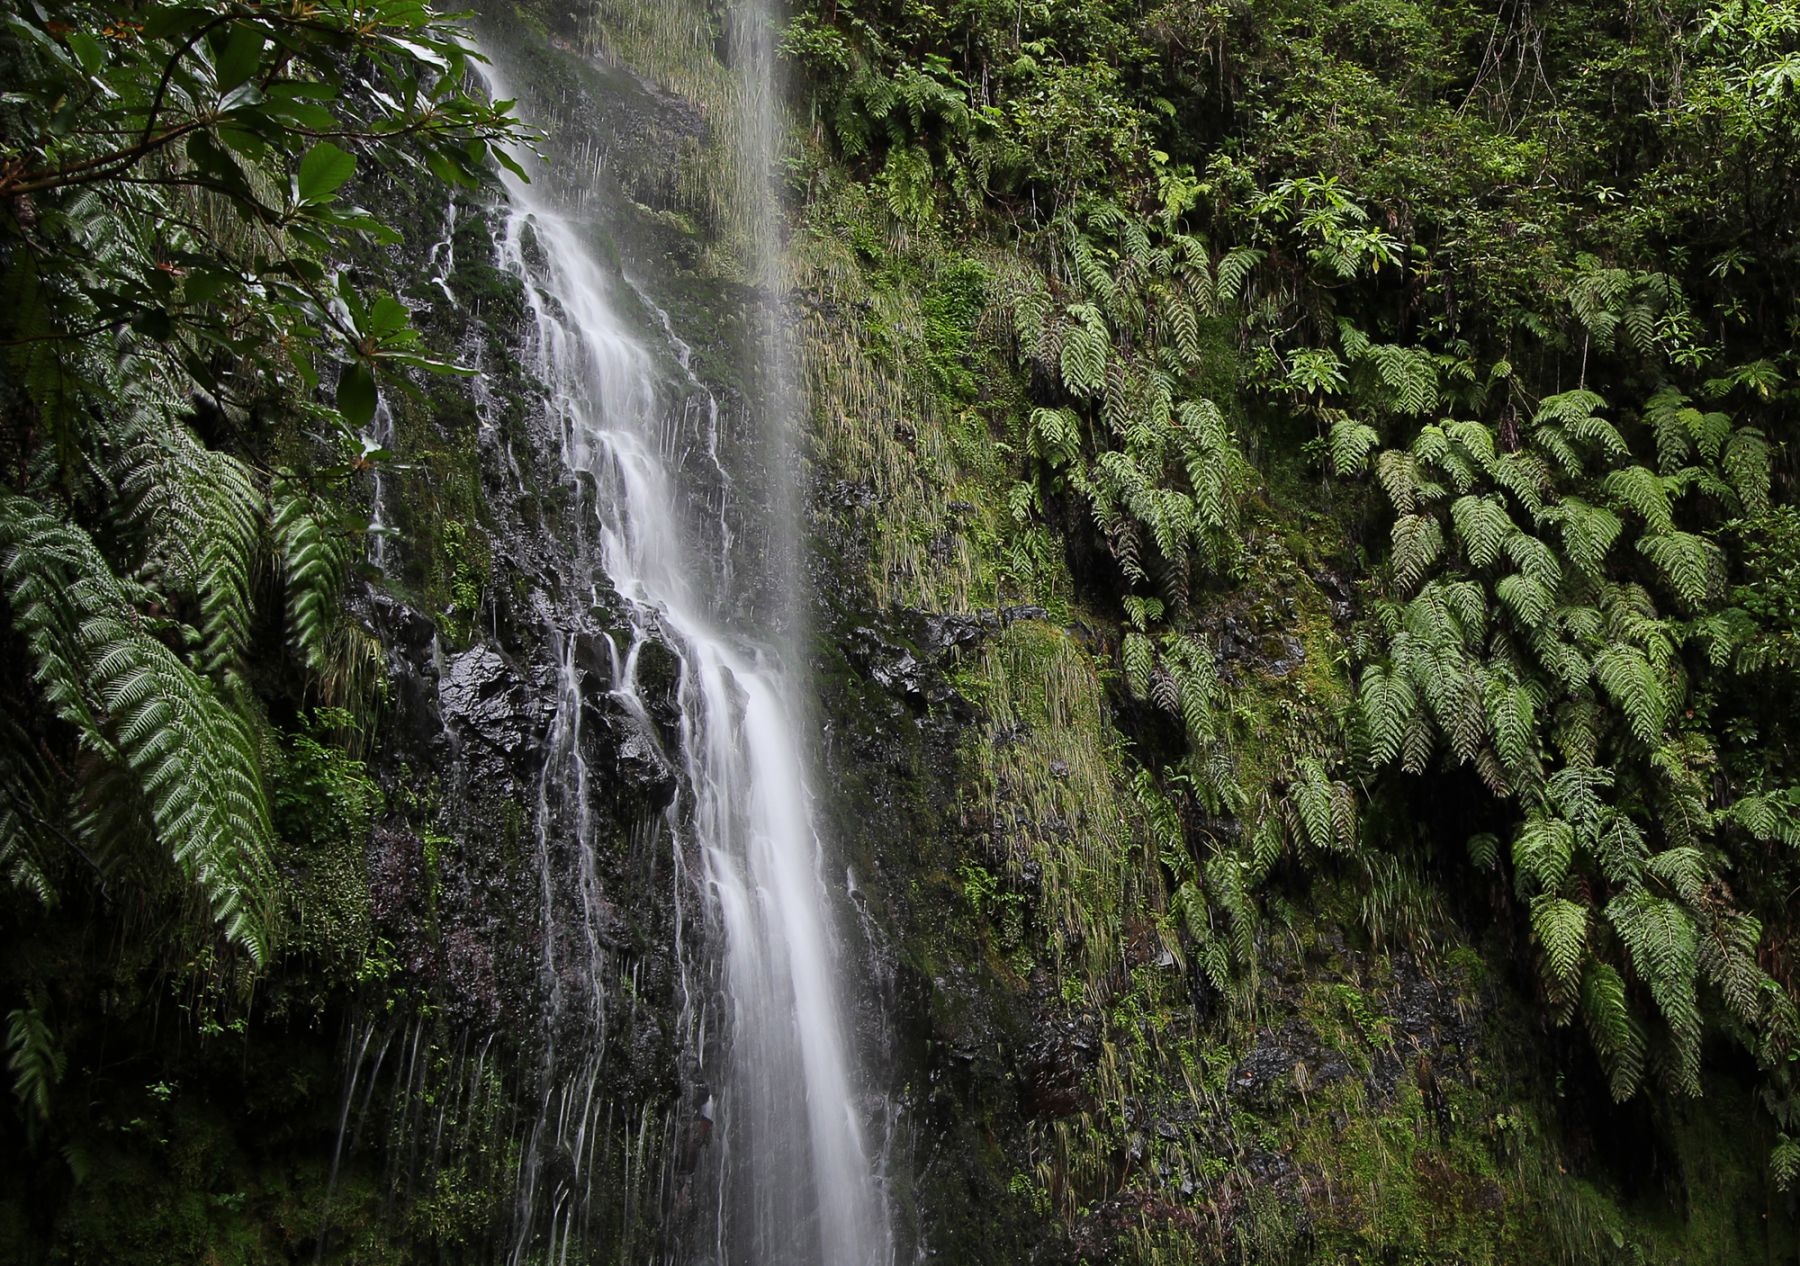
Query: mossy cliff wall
point(1104, 1044)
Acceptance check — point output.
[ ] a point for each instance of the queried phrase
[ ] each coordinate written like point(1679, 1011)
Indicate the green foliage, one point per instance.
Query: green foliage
point(175, 188)
point(1119, 333)
point(33, 1059)
point(1443, 241)
point(1568, 660)
point(313, 559)
point(185, 743)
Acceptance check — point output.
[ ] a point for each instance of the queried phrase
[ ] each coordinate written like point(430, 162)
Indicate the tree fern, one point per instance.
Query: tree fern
point(1139, 657)
point(1234, 270)
point(1054, 436)
point(1227, 884)
point(1398, 472)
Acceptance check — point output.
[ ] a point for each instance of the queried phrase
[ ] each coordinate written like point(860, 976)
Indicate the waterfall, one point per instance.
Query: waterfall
point(792, 1177)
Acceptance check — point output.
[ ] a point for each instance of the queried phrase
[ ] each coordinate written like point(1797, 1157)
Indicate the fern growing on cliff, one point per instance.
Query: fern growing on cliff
point(1519, 639)
point(1118, 331)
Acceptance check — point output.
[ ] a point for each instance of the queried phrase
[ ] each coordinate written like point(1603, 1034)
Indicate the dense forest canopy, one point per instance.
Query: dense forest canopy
point(1500, 302)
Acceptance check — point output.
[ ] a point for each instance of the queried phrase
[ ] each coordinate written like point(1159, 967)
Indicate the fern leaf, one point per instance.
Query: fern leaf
point(314, 560)
point(193, 757)
point(33, 1059)
point(1615, 1031)
point(1691, 565)
point(1543, 849)
point(1482, 525)
point(1139, 657)
point(1561, 929)
point(1351, 444)
point(1588, 532)
point(1631, 683)
point(1747, 465)
point(1535, 560)
point(1418, 541)
point(1388, 705)
point(1642, 492)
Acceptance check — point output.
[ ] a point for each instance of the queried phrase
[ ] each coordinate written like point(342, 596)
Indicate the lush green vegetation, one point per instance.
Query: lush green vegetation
point(189, 364)
point(1370, 416)
point(1527, 278)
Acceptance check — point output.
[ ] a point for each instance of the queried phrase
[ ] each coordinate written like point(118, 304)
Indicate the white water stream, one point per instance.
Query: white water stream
point(793, 1178)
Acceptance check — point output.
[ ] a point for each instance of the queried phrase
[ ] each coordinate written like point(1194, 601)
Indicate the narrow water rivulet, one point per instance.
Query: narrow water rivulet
point(786, 1173)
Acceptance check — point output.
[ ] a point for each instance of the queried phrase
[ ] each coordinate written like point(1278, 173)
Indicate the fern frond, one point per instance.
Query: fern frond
point(1139, 657)
point(314, 560)
point(1388, 705)
point(1535, 560)
point(1482, 525)
point(1632, 684)
point(1613, 1028)
point(33, 1059)
point(1398, 472)
point(1691, 565)
point(1588, 532)
point(1664, 946)
point(134, 701)
point(1351, 444)
point(1644, 493)
point(1747, 466)
point(1561, 929)
point(1418, 541)
point(1768, 818)
point(1543, 849)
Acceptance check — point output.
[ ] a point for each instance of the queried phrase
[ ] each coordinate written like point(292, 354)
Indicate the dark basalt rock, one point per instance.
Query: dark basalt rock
point(1054, 1068)
point(484, 698)
point(640, 763)
point(659, 683)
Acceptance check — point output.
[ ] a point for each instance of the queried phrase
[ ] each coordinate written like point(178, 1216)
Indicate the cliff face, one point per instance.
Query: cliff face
point(1087, 1036)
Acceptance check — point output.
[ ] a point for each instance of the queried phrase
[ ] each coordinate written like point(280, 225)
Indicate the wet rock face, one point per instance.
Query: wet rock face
point(636, 750)
point(907, 652)
point(640, 763)
point(1054, 1066)
point(487, 702)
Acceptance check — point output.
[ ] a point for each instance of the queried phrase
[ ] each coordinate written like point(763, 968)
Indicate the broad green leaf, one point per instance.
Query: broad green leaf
point(322, 173)
point(87, 50)
point(240, 57)
point(356, 394)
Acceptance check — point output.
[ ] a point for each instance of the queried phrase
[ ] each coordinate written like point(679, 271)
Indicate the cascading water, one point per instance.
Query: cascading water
point(792, 1177)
